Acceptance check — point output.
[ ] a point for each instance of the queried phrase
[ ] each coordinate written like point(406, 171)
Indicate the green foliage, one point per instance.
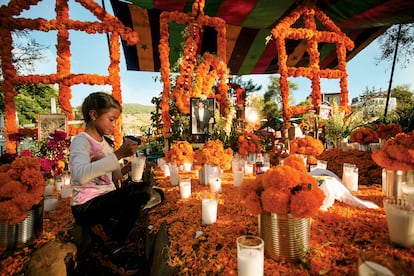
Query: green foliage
point(134, 109)
point(32, 100)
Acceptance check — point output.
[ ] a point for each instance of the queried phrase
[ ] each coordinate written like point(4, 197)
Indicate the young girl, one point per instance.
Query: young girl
point(107, 212)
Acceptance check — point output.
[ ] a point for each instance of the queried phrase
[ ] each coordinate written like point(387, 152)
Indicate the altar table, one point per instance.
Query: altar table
point(337, 237)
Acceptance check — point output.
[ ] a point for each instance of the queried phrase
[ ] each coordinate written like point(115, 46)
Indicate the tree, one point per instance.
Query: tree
point(405, 46)
point(273, 100)
point(248, 85)
point(32, 100)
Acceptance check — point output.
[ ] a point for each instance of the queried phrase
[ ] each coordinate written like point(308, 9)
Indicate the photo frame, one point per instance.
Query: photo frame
point(203, 125)
point(48, 123)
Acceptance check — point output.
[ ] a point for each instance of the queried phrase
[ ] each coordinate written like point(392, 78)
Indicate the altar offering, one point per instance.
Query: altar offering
point(400, 221)
point(350, 176)
point(174, 176)
point(209, 206)
point(66, 191)
point(137, 167)
point(250, 255)
point(185, 187)
point(215, 184)
point(50, 203)
point(238, 178)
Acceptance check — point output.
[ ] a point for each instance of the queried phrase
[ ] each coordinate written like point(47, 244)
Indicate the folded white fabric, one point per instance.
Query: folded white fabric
point(334, 189)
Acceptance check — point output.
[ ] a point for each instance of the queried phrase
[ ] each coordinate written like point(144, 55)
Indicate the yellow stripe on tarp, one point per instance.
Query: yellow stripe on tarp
point(141, 25)
point(297, 54)
point(232, 33)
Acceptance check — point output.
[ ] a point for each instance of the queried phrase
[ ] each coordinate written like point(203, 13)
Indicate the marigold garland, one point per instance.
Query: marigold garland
point(397, 153)
point(283, 189)
point(187, 85)
point(64, 78)
point(283, 30)
point(21, 186)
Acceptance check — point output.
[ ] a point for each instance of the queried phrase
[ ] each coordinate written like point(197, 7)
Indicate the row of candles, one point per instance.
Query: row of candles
point(60, 184)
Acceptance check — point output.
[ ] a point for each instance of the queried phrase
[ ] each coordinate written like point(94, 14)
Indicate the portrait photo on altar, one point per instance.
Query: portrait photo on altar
point(202, 115)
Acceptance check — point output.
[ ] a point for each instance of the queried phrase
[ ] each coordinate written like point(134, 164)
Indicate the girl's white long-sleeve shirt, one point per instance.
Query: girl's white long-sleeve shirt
point(91, 166)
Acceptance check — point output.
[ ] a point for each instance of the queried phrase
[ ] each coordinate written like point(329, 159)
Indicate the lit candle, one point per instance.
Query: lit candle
point(209, 210)
point(137, 168)
point(185, 188)
point(215, 184)
point(238, 178)
point(66, 191)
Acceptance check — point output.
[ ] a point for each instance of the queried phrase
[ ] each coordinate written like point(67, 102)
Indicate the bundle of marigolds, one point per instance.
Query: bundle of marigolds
point(21, 186)
point(364, 136)
point(397, 153)
point(386, 131)
point(214, 153)
point(180, 153)
point(309, 146)
point(248, 143)
point(283, 189)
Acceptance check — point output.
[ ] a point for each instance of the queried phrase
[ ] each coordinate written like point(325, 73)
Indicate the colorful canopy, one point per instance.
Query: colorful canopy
point(249, 22)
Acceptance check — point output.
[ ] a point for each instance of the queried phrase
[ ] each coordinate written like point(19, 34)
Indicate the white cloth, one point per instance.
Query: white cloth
point(334, 189)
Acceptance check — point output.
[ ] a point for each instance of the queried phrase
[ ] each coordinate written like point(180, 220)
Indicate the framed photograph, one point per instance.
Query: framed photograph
point(202, 115)
point(48, 123)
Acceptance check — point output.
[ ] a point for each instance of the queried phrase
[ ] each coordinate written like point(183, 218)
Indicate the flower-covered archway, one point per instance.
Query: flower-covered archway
point(318, 28)
point(63, 77)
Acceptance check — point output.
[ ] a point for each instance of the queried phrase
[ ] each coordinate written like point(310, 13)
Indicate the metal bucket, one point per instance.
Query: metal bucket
point(17, 235)
point(286, 237)
point(393, 181)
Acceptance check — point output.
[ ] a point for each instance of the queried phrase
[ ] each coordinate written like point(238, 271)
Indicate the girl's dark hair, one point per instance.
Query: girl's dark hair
point(99, 101)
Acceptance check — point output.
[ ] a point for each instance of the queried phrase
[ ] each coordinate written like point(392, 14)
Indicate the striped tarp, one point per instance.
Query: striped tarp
point(248, 24)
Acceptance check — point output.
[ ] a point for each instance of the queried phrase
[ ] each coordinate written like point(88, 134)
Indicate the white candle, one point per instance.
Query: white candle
point(187, 167)
point(215, 184)
point(369, 268)
point(58, 184)
point(248, 168)
point(238, 178)
point(250, 262)
point(350, 180)
point(49, 190)
point(166, 170)
point(52, 105)
point(174, 176)
point(185, 188)
point(66, 191)
point(50, 203)
point(137, 168)
point(209, 210)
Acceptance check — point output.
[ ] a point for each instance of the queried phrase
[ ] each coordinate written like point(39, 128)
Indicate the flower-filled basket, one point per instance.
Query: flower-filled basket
point(211, 159)
point(396, 158)
point(285, 198)
point(21, 195)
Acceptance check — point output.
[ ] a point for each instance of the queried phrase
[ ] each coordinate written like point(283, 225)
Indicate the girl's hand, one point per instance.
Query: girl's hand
point(128, 148)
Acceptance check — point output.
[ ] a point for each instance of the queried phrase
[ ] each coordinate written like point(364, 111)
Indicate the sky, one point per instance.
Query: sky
point(90, 54)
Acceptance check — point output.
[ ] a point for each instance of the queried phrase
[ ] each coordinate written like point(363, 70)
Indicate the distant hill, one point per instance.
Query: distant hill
point(135, 109)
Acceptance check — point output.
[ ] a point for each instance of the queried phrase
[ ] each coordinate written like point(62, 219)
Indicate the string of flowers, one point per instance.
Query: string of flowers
point(397, 153)
point(184, 89)
point(283, 31)
point(364, 136)
point(21, 186)
point(180, 153)
point(64, 78)
point(214, 153)
point(248, 143)
point(283, 189)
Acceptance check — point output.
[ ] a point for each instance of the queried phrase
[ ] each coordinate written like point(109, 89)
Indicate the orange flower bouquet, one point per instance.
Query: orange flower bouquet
point(386, 131)
point(308, 146)
point(248, 143)
point(21, 187)
point(364, 136)
point(180, 153)
point(397, 153)
point(214, 153)
point(283, 189)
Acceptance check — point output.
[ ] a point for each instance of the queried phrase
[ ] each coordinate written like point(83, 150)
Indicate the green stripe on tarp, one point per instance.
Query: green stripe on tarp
point(265, 12)
point(147, 4)
point(255, 51)
point(176, 42)
point(345, 9)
